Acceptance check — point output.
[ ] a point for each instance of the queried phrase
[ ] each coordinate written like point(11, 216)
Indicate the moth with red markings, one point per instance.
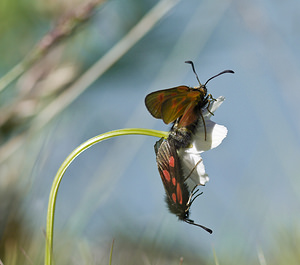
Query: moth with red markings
point(179, 197)
point(182, 106)
point(178, 157)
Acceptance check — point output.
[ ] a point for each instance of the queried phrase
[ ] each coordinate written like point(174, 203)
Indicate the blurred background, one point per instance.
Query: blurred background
point(71, 70)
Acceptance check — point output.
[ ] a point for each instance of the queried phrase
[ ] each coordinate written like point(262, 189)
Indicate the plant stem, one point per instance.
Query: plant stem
point(111, 250)
point(65, 165)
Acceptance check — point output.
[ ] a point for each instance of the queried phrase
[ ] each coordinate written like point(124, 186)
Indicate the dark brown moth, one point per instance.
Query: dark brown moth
point(178, 196)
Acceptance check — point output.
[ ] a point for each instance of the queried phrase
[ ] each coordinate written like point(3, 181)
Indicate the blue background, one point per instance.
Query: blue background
point(113, 190)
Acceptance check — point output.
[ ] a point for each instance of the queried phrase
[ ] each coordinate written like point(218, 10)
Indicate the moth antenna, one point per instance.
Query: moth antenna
point(191, 222)
point(193, 67)
point(224, 72)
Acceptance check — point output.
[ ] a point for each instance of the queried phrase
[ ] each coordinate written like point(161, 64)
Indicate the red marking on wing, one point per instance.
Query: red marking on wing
point(183, 103)
point(189, 115)
point(176, 103)
point(174, 181)
point(179, 194)
point(182, 89)
point(171, 161)
point(174, 197)
point(155, 100)
point(193, 94)
point(167, 175)
point(161, 97)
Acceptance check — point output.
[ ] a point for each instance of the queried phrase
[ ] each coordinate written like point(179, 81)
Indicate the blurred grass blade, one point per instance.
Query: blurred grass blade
point(91, 75)
point(64, 28)
point(111, 251)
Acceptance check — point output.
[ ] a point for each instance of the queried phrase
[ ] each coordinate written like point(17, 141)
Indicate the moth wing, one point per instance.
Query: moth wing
point(155, 100)
point(164, 158)
point(179, 105)
point(171, 174)
point(189, 115)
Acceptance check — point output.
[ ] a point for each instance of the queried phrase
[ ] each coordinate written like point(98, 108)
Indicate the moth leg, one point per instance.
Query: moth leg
point(191, 199)
point(193, 170)
point(210, 98)
point(203, 124)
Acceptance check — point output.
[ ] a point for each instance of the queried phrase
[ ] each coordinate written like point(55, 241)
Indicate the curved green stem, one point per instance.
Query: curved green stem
point(63, 168)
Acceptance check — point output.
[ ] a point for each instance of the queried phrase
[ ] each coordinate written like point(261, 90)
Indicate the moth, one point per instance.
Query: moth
point(179, 197)
point(182, 106)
